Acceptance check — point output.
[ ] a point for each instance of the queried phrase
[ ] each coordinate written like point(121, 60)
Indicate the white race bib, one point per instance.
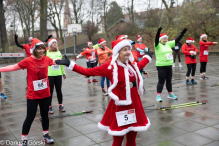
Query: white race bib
point(169, 56)
point(205, 52)
point(55, 67)
point(126, 117)
point(40, 84)
point(176, 47)
point(141, 53)
point(31, 51)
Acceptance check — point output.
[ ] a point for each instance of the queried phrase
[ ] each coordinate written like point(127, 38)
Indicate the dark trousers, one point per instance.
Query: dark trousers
point(57, 82)
point(164, 74)
point(203, 67)
point(31, 113)
point(91, 65)
point(176, 53)
point(191, 67)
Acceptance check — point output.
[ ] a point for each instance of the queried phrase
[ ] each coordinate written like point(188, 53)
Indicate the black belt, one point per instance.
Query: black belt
point(132, 84)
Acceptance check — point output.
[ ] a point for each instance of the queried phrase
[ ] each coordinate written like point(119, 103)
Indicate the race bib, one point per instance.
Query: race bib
point(55, 67)
point(205, 52)
point(141, 53)
point(40, 84)
point(176, 47)
point(169, 56)
point(31, 51)
point(126, 117)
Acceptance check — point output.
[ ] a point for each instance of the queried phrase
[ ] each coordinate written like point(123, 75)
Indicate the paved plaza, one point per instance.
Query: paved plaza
point(191, 126)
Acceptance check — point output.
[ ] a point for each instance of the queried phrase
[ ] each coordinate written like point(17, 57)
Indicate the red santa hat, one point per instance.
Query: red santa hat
point(88, 43)
point(50, 41)
point(101, 41)
point(163, 35)
point(35, 42)
point(203, 35)
point(190, 40)
point(121, 37)
point(117, 45)
point(138, 38)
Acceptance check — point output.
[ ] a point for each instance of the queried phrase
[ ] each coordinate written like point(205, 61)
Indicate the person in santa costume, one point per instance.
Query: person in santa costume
point(164, 62)
point(176, 52)
point(125, 114)
point(90, 53)
point(203, 55)
point(55, 74)
point(102, 53)
point(190, 51)
point(38, 91)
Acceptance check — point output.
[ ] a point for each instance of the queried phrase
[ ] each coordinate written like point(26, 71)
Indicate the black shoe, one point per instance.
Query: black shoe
point(48, 139)
point(24, 143)
point(61, 108)
point(50, 110)
point(206, 78)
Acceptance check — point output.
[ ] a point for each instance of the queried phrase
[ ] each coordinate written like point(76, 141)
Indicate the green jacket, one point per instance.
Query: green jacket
point(163, 53)
point(55, 70)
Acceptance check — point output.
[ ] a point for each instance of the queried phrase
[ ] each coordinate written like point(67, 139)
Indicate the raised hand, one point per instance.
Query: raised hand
point(160, 28)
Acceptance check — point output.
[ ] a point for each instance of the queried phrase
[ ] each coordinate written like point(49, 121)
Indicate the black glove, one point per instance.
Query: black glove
point(184, 31)
point(65, 62)
point(15, 36)
point(49, 37)
point(160, 28)
point(150, 53)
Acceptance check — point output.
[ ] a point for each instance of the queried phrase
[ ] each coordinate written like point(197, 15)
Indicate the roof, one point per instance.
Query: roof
point(121, 20)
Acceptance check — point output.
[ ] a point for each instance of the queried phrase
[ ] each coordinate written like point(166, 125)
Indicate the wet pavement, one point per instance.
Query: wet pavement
point(191, 126)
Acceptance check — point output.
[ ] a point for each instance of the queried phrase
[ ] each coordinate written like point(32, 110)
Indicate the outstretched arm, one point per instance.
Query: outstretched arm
point(157, 36)
point(10, 68)
point(146, 59)
point(46, 40)
point(16, 42)
point(180, 36)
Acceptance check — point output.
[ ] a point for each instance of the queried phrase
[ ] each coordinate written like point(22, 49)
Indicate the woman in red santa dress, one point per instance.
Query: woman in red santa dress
point(203, 55)
point(125, 114)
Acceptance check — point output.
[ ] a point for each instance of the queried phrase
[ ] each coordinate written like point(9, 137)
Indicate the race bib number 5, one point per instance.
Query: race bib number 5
point(40, 84)
point(55, 67)
point(169, 56)
point(126, 117)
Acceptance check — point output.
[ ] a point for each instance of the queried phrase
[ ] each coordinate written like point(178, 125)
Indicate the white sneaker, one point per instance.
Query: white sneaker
point(173, 65)
point(180, 65)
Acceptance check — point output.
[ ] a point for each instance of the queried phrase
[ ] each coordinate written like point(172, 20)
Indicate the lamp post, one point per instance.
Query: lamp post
point(177, 16)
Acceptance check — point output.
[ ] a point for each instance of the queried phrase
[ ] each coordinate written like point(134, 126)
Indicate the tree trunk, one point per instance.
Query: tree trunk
point(43, 19)
point(105, 17)
point(60, 29)
point(4, 40)
point(132, 11)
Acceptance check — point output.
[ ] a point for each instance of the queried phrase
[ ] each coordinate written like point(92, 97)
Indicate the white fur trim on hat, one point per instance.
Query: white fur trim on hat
point(30, 38)
point(50, 42)
point(120, 45)
point(165, 36)
point(40, 43)
point(124, 131)
point(148, 57)
point(139, 39)
point(203, 36)
point(190, 41)
point(102, 42)
point(71, 66)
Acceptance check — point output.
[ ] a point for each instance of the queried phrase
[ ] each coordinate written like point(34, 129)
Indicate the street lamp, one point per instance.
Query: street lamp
point(173, 2)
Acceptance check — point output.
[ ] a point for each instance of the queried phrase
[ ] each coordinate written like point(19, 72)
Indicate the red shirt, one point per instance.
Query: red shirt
point(186, 51)
point(90, 54)
point(37, 70)
point(28, 50)
point(142, 47)
point(204, 48)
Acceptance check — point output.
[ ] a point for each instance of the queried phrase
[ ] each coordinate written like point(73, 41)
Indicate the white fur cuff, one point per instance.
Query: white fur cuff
point(71, 66)
point(148, 57)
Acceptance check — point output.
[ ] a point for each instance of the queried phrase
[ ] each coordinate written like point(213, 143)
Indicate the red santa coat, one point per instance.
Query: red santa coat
point(122, 96)
point(186, 51)
point(142, 47)
point(90, 54)
point(204, 48)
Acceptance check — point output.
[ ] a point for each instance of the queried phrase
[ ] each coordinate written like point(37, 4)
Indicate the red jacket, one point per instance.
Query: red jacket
point(90, 54)
point(142, 47)
point(186, 51)
point(204, 47)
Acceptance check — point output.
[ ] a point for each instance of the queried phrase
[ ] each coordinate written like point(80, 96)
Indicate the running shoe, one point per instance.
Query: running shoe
point(173, 65)
point(188, 82)
point(94, 80)
point(202, 78)
point(105, 93)
point(172, 96)
point(193, 81)
point(88, 81)
point(61, 108)
point(50, 110)
point(47, 138)
point(206, 78)
point(26, 89)
point(3, 95)
point(158, 98)
point(24, 143)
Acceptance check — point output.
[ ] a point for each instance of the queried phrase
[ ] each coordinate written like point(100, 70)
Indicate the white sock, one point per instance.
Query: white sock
point(23, 137)
point(45, 132)
point(179, 63)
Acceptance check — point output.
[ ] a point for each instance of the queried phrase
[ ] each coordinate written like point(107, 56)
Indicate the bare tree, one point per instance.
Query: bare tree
point(90, 28)
point(43, 19)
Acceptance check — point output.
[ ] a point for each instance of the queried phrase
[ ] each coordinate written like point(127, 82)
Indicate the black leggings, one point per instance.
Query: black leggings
point(164, 74)
point(203, 67)
point(31, 113)
point(191, 67)
point(57, 81)
point(91, 65)
point(178, 54)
